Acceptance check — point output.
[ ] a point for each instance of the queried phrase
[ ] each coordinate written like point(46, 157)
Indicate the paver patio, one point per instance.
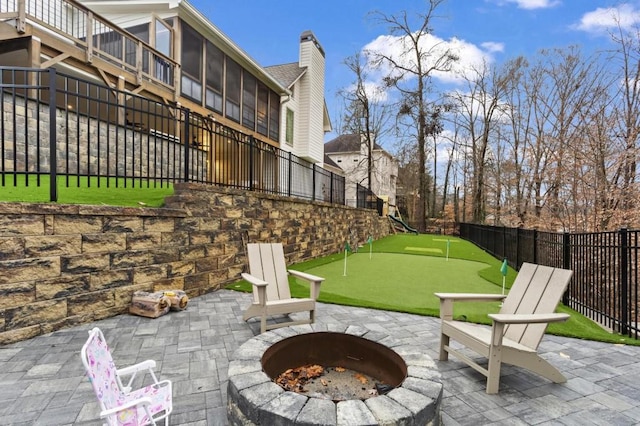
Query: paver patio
point(42, 380)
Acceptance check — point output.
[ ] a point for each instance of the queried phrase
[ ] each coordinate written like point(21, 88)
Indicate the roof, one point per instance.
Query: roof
point(328, 161)
point(346, 143)
point(286, 74)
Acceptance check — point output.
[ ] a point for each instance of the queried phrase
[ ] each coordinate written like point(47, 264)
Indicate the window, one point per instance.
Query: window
point(263, 109)
point(249, 101)
point(274, 116)
point(163, 38)
point(191, 63)
point(289, 135)
point(141, 32)
point(232, 89)
point(214, 77)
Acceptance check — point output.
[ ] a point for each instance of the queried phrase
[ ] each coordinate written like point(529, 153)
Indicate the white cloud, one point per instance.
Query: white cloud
point(603, 18)
point(399, 48)
point(374, 92)
point(534, 4)
point(492, 46)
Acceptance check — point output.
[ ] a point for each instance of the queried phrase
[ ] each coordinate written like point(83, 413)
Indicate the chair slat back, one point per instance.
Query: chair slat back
point(536, 290)
point(267, 262)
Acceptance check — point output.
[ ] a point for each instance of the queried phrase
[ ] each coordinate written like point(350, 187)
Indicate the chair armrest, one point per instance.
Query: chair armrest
point(447, 299)
point(253, 280)
point(471, 297)
point(314, 281)
point(259, 288)
point(528, 318)
point(305, 276)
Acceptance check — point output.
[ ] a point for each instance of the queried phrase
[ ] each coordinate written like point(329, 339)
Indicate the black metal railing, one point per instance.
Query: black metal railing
point(64, 127)
point(605, 284)
point(366, 199)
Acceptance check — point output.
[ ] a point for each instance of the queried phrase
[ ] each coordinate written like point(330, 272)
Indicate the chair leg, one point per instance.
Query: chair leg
point(444, 341)
point(493, 369)
point(263, 323)
point(312, 316)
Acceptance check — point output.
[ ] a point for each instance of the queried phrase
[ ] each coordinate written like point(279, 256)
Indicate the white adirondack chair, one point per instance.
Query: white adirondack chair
point(271, 294)
point(517, 329)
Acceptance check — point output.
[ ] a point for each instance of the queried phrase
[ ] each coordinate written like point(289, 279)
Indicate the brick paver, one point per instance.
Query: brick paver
point(42, 380)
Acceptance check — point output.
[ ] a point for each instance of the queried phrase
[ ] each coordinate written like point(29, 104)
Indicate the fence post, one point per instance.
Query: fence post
point(290, 174)
point(566, 261)
point(331, 187)
point(53, 136)
point(535, 245)
point(252, 148)
point(624, 281)
point(518, 248)
point(313, 184)
point(187, 144)
point(504, 242)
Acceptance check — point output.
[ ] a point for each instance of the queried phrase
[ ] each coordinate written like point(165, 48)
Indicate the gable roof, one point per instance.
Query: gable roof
point(346, 143)
point(330, 162)
point(286, 74)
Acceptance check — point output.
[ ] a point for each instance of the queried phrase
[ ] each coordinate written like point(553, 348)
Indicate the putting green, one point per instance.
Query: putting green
point(401, 281)
point(424, 249)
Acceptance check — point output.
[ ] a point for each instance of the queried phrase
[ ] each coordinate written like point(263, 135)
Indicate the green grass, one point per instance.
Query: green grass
point(90, 191)
point(405, 270)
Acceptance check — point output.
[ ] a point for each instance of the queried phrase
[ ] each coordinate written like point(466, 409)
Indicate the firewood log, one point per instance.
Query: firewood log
point(178, 299)
point(151, 305)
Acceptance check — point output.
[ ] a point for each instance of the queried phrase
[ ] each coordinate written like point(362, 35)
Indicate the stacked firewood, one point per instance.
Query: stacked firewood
point(156, 304)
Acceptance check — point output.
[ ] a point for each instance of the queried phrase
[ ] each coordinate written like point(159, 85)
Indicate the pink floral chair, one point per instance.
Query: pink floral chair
point(119, 404)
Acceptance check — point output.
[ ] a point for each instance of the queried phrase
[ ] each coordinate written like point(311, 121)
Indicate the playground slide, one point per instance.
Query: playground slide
point(401, 222)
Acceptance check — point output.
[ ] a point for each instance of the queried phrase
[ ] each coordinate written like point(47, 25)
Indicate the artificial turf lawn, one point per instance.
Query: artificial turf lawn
point(403, 271)
point(83, 190)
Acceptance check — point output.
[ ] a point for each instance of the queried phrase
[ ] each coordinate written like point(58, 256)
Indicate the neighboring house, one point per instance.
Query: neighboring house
point(349, 152)
point(167, 51)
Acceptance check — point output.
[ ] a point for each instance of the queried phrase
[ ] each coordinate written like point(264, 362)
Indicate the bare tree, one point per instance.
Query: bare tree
point(410, 73)
point(365, 114)
point(480, 110)
point(627, 57)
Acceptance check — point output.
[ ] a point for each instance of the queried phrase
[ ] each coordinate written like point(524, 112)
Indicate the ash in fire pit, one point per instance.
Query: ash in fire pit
point(351, 365)
point(334, 383)
point(410, 388)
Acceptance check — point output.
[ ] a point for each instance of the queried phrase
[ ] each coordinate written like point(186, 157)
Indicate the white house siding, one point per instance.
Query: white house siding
point(311, 99)
point(292, 104)
point(355, 171)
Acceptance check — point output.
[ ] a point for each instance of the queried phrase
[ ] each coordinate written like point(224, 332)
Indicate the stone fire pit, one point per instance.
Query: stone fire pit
point(255, 399)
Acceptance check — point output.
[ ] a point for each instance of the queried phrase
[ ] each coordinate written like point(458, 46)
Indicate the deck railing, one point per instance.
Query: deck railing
point(96, 36)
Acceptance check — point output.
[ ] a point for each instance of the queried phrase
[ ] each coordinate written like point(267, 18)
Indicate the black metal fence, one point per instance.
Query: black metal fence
point(366, 199)
point(61, 126)
point(605, 283)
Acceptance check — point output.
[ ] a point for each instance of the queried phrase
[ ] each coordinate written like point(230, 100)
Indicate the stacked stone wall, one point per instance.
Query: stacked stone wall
point(62, 265)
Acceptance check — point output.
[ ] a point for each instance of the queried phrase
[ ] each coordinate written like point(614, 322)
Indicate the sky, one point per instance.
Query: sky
point(491, 30)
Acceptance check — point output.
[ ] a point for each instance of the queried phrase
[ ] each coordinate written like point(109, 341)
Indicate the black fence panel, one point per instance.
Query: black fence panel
point(62, 126)
point(366, 199)
point(605, 282)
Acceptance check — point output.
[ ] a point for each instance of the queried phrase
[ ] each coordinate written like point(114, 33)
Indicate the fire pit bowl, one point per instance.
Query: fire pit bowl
point(412, 390)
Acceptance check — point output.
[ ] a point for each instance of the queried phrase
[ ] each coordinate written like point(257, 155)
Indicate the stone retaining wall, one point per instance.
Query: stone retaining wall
point(62, 265)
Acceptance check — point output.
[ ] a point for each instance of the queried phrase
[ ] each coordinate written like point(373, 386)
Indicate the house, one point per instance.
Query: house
point(169, 52)
point(305, 114)
point(350, 153)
